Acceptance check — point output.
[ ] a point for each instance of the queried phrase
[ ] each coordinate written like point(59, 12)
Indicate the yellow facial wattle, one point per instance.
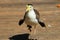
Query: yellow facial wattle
point(27, 8)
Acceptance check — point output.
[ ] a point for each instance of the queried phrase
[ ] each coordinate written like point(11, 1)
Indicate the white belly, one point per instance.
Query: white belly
point(32, 16)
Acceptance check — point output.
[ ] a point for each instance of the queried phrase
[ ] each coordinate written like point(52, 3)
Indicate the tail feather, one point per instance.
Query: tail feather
point(21, 21)
point(42, 24)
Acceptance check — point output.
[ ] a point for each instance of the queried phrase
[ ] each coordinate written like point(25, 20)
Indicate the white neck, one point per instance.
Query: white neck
point(31, 13)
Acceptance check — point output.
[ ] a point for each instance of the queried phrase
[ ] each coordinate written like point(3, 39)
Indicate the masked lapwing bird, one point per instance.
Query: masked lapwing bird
point(31, 17)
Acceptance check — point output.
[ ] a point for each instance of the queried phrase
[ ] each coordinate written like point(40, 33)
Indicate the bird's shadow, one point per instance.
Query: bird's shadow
point(20, 37)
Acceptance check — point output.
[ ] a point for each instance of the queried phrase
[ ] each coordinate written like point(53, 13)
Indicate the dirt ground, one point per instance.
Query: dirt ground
point(10, 14)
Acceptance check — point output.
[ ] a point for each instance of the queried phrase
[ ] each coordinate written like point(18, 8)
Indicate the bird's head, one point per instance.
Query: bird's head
point(29, 7)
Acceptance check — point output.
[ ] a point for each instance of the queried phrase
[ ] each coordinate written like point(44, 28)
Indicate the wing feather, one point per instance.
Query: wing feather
point(37, 14)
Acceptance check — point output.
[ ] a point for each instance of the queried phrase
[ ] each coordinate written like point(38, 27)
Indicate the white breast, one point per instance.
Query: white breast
point(32, 16)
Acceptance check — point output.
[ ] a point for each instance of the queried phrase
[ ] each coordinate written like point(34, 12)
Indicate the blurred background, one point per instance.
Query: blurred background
point(11, 11)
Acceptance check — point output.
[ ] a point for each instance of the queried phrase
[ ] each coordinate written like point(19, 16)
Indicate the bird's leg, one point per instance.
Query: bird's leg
point(35, 30)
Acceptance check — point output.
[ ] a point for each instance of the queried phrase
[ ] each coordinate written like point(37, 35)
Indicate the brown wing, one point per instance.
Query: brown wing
point(37, 14)
point(25, 15)
point(21, 21)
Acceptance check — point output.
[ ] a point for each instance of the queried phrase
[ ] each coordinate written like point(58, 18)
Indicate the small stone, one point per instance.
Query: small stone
point(49, 25)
